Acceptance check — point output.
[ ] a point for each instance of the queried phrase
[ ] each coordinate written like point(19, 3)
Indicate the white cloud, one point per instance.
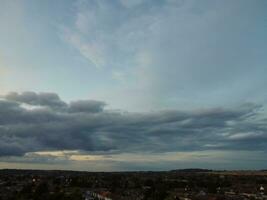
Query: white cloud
point(241, 136)
point(192, 53)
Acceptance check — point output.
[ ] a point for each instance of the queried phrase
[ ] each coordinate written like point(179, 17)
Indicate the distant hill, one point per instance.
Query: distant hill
point(191, 170)
point(74, 173)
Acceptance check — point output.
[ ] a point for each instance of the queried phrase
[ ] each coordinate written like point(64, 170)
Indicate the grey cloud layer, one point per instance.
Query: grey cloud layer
point(86, 126)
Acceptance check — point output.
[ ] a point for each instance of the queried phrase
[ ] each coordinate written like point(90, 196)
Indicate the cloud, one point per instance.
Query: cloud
point(182, 50)
point(131, 3)
point(86, 106)
point(108, 33)
point(86, 126)
point(31, 98)
point(138, 161)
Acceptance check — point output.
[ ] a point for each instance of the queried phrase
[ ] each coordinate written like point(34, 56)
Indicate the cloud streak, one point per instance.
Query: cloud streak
point(182, 50)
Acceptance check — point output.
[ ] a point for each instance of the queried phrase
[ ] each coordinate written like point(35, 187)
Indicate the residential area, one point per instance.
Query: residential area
point(169, 185)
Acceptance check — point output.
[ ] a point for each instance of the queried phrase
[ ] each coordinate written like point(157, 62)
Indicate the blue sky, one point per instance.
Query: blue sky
point(139, 58)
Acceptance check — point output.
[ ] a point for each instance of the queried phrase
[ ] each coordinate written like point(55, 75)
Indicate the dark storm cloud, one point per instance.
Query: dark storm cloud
point(32, 98)
point(87, 126)
point(86, 106)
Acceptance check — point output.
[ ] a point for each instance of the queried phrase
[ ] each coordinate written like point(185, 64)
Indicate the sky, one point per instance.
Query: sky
point(111, 85)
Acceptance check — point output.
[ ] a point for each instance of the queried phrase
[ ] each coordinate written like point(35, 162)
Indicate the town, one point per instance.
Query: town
point(189, 184)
